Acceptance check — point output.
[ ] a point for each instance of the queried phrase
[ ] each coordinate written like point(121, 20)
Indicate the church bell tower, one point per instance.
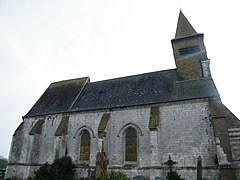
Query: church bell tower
point(189, 51)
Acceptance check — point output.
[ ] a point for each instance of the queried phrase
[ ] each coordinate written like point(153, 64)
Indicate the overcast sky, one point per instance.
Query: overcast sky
point(52, 40)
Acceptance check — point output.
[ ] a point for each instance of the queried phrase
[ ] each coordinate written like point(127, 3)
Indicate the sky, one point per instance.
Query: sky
point(52, 40)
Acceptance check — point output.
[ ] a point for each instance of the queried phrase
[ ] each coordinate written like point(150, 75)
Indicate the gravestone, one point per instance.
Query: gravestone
point(139, 178)
point(199, 168)
point(160, 178)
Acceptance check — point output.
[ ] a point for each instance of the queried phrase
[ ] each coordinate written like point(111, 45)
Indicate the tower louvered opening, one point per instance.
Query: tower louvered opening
point(189, 50)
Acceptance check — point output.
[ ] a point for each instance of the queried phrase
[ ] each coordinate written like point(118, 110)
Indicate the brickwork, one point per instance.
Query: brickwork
point(234, 138)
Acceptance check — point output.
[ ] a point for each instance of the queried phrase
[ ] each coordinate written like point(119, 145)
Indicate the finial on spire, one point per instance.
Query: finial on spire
point(179, 4)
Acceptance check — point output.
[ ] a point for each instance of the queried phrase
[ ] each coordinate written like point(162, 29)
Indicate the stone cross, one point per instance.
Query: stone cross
point(170, 163)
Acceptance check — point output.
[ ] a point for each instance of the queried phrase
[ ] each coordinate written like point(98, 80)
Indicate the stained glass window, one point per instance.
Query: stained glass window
point(85, 146)
point(131, 145)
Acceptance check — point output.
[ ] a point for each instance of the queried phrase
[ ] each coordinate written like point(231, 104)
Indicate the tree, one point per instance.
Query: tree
point(60, 169)
point(3, 165)
point(3, 162)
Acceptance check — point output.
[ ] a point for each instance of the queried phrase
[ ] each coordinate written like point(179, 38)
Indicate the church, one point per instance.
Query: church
point(139, 121)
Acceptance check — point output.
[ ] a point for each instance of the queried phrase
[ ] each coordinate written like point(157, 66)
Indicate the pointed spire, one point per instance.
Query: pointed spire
point(184, 28)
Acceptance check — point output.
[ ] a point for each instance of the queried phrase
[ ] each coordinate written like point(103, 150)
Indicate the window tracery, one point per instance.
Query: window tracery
point(85, 146)
point(131, 144)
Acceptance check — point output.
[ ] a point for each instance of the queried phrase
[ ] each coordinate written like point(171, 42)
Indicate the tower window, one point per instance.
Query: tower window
point(189, 50)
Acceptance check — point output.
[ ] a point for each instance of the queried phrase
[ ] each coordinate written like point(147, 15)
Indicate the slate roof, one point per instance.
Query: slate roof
point(126, 91)
point(184, 28)
point(143, 89)
point(58, 97)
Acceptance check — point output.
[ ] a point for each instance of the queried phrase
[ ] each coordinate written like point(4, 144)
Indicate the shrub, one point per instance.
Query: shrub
point(60, 169)
point(63, 168)
point(44, 172)
point(173, 175)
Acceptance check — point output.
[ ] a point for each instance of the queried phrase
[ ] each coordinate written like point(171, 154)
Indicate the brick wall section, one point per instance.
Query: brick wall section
point(226, 129)
point(234, 138)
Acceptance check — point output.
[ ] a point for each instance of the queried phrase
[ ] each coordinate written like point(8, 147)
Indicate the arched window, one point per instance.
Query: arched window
point(85, 146)
point(131, 145)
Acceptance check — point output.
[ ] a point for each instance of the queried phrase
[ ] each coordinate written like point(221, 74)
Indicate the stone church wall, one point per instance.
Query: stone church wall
point(36, 149)
point(184, 132)
point(187, 133)
point(77, 123)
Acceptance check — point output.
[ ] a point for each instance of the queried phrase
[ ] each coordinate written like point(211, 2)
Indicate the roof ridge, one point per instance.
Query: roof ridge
point(68, 80)
point(135, 75)
point(80, 92)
